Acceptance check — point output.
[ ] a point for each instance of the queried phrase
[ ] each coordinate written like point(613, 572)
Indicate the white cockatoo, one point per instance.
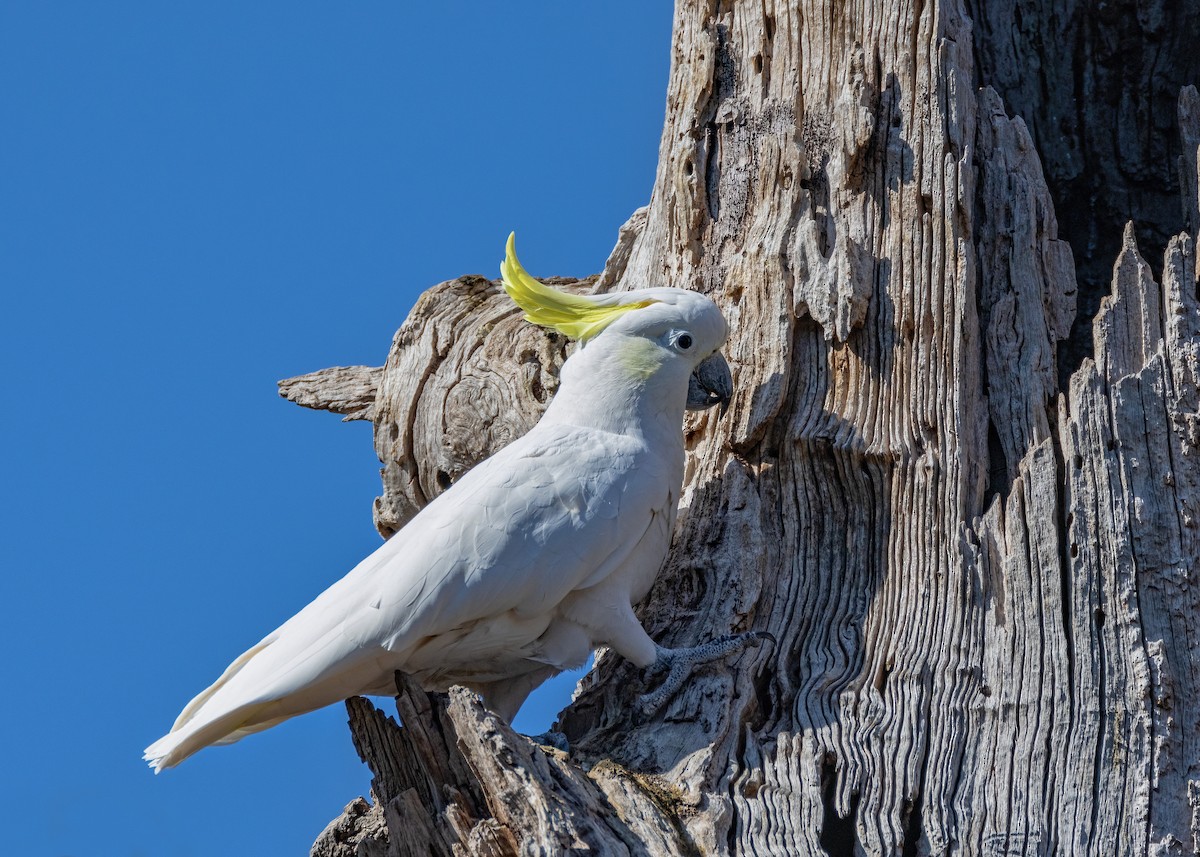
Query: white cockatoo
point(527, 563)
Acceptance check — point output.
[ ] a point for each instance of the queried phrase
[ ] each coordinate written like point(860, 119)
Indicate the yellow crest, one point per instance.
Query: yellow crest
point(577, 316)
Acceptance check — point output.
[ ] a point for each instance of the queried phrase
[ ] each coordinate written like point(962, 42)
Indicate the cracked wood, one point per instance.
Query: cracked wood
point(982, 581)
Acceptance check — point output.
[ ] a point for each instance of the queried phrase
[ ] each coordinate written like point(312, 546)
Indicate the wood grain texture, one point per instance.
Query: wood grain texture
point(983, 583)
point(1097, 85)
point(456, 779)
point(347, 390)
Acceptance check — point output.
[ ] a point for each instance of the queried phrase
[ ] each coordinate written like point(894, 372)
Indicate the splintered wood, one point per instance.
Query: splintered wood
point(983, 585)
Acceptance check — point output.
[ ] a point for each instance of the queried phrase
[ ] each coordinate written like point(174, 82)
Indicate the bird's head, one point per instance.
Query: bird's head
point(654, 332)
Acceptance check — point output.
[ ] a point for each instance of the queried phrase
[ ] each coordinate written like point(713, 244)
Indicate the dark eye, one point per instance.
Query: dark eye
point(684, 341)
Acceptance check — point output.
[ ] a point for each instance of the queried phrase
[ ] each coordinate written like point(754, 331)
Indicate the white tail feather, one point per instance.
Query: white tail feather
point(182, 741)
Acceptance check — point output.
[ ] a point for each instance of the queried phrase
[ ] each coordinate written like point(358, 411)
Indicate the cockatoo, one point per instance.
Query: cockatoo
point(532, 559)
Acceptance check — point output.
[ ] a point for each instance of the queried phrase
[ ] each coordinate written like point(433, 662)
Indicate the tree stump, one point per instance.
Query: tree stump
point(973, 535)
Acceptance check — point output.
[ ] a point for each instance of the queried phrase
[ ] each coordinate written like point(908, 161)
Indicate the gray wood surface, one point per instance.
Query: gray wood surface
point(982, 580)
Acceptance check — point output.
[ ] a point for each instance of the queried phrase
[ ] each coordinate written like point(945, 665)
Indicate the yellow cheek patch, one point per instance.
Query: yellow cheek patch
point(640, 358)
point(577, 316)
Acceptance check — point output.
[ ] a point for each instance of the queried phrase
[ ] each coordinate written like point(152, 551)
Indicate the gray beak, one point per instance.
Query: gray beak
point(710, 384)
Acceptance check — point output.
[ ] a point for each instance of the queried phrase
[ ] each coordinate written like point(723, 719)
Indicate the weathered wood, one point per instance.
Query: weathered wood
point(1132, 452)
point(1097, 84)
point(456, 779)
point(983, 584)
point(359, 831)
point(347, 390)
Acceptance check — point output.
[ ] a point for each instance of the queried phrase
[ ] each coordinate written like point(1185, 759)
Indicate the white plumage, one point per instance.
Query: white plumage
point(529, 561)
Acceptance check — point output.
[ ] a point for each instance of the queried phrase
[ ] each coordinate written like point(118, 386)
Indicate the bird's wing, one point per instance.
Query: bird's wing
point(515, 535)
point(561, 514)
point(518, 533)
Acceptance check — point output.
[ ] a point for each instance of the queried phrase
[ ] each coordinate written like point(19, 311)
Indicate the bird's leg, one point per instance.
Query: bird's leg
point(505, 697)
point(679, 663)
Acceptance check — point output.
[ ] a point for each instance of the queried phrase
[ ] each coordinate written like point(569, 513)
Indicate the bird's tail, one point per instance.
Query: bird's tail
point(203, 721)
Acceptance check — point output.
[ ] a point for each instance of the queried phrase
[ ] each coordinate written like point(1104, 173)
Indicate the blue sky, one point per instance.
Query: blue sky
point(196, 200)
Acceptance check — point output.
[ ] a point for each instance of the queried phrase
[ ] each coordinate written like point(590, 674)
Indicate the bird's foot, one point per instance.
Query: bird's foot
point(679, 664)
point(557, 740)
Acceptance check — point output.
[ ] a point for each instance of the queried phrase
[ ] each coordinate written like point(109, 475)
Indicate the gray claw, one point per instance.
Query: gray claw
point(681, 662)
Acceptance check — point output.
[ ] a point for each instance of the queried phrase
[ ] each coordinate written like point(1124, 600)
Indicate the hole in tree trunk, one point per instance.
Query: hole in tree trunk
point(837, 833)
point(915, 830)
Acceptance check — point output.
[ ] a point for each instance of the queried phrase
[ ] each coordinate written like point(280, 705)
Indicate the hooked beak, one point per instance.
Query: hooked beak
point(711, 384)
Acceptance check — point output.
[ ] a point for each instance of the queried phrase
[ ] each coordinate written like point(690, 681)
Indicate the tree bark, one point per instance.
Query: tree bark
point(1097, 85)
point(980, 566)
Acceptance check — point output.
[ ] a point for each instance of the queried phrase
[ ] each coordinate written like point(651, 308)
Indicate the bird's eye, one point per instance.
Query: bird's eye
point(684, 341)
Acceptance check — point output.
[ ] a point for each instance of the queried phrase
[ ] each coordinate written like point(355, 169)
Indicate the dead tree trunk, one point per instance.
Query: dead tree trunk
point(983, 580)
